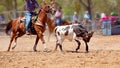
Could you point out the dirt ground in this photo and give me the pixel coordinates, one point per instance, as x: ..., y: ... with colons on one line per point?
x: 104, y: 52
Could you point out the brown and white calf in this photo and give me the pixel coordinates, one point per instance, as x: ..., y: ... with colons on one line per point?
x: 72, y: 32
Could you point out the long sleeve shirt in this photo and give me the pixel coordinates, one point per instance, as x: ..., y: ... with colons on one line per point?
x: 75, y: 17
x: 31, y: 5
x: 87, y: 16
x: 58, y: 14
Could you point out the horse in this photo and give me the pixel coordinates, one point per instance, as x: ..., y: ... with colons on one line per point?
x: 72, y: 32
x: 18, y: 29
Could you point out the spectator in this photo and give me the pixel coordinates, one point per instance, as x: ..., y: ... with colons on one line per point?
x: 87, y: 21
x: 2, y: 18
x: 104, y: 17
x: 97, y: 16
x: 87, y: 16
x: 106, y: 25
x: 113, y: 18
x: 75, y: 18
x: 58, y: 16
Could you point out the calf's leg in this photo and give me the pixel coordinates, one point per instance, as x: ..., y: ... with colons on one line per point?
x: 60, y: 46
x: 87, y: 48
x: 78, y: 42
x: 56, y: 47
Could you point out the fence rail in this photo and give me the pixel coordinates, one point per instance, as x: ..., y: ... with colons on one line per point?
x: 95, y: 27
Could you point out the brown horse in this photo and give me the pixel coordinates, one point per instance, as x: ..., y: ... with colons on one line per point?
x: 52, y: 25
x: 18, y: 29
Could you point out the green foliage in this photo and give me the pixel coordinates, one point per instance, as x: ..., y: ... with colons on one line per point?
x: 1, y: 8
x: 106, y: 6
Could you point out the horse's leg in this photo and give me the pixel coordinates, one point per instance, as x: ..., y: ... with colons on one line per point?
x: 78, y: 42
x: 86, y: 46
x: 40, y: 36
x: 15, y: 44
x: 11, y: 40
x: 36, y: 42
x: 44, y: 44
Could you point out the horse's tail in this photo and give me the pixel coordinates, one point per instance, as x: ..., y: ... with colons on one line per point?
x: 8, y: 27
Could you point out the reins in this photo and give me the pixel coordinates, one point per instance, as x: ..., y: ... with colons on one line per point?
x: 37, y: 15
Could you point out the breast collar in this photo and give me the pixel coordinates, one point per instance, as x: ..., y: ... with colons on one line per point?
x: 38, y: 22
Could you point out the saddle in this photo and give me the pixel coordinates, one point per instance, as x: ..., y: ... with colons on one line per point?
x: 31, y: 29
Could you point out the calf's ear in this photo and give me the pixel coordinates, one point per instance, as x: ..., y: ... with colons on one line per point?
x: 90, y: 34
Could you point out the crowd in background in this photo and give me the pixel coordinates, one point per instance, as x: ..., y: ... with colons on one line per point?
x: 2, y: 20
x: 98, y: 18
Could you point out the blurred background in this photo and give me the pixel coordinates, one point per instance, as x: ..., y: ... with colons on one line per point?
x: 10, y: 9
x: 13, y: 8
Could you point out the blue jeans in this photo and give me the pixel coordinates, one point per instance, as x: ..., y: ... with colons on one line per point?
x: 28, y: 18
x: 58, y: 21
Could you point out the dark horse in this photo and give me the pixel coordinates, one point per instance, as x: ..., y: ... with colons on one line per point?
x: 19, y: 29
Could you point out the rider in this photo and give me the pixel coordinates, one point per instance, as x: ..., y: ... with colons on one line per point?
x: 31, y: 5
x: 58, y: 16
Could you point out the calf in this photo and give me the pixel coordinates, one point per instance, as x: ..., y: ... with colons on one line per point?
x: 72, y: 32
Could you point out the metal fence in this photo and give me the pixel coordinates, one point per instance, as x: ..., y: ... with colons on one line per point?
x: 96, y: 27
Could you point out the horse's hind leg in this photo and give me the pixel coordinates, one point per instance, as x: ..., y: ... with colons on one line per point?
x: 36, y: 42
x: 11, y: 40
x: 15, y: 44
x: 78, y: 45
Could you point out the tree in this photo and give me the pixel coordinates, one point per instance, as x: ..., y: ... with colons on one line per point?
x: 15, y: 8
x: 87, y: 6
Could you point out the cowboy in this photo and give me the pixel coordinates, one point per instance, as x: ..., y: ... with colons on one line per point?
x: 31, y: 5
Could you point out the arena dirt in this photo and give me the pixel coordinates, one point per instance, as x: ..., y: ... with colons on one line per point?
x: 104, y: 52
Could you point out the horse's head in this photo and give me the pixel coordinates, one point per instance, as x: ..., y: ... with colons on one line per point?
x: 47, y: 7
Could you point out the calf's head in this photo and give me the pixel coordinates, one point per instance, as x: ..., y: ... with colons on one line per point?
x: 88, y: 36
